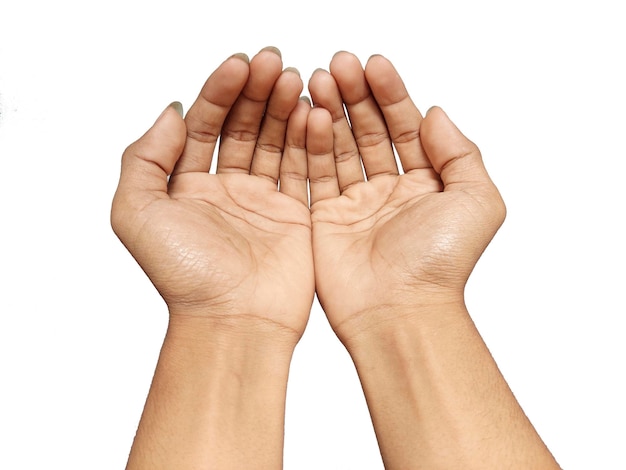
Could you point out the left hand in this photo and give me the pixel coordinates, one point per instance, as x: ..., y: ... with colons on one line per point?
x: 387, y: 242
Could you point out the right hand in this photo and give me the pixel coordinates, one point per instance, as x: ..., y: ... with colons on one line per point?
x: 227, y: 246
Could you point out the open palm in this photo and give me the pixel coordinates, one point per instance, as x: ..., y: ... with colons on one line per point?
x: 386, y: 240
x: 229, y: 243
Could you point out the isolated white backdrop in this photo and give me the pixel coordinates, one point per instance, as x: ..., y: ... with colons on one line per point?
x: 539, y: 85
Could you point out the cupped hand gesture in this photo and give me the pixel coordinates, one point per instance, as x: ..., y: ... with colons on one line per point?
x: 387, y: 243
x: 228, y: 245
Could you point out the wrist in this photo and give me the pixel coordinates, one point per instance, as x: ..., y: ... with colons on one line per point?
x: 368, y: 326
x: 231, y: 367
x: 234, y: 339
x: 249, y: 332
x: 217, y: 389
x: 436, y: 395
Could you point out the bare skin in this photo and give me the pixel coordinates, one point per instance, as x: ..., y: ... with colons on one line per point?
x: 238, y: 254
x: 231, y: 256
x: 400, y: 239
x: 393, y: 249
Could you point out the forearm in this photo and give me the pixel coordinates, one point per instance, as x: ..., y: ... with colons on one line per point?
x: 437, y: 398
x: 217, y: 400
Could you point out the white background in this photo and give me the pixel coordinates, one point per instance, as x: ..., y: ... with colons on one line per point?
x: 539, y: 85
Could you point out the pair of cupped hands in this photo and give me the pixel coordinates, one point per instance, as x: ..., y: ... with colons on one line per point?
x: 305, y: 199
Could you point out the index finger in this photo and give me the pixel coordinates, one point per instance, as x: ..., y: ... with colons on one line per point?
x: 206, y: 116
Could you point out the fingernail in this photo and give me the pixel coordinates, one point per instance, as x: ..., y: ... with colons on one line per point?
x: 178, y: 106
x: 306, y: 99
x: 273, y: 49
x: 431, y: 108
x: 293, y: 70
x: 242, y: 56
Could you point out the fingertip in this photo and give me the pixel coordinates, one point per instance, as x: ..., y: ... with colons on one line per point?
x: 300, y: 114
x: 241, y: 56
x: 432, y: 108
x: 297, y: 124
x: 376, y: 58
x: 455, y: 157
x: 317, y: 75
x: 273, y: 50
x: 344, y: 61
x: 237, y: 66
x: 269, y: 56
x: 341, y: 55
x: 163, y: 143
x: 292, y: 70
x: 178, y: 107
x: 320, y: 119
x: 319, y: 135
x: 171, y: 122
x: 292, y: 78
x: 435, y: 117
x: 437, y: 124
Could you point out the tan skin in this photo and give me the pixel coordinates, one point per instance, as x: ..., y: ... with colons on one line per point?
x: 391, y: 238
x: 238, y: 254
x: 228, y: 243
x: 393, y: 250
x: 230, y: 253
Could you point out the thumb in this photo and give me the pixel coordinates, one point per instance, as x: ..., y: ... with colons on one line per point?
x: 147, y: 162
x: 146, y: 165
x: 459, y: 162
x: 456, y: 158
